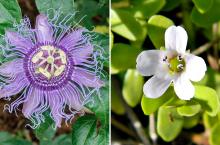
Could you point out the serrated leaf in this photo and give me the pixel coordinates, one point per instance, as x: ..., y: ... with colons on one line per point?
x: 84, y: 130
x: 208, y: 99
x: 156, y: 28
x: 169, y: 123
x: 48, y: 135
x: 190, y: 108
x: 203, y: 5
x: 63, y: 139
x: 65, y: 6
x: 101, y: 3
x: 214, y: 135
x: 11, y: 12
x: 192, y: 121
x: 123, y: 23
x: 121, y: 54
x: 132, y: 89
x: 102, y: 138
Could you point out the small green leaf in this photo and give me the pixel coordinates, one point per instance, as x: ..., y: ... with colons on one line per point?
x: 207, y: 18
x: 192, y: 121
x: 203, y: 5
x: 174, y: 101
x: 66, y: 7
x: 132, y: 89
x: 208, y: 99
x: 169, y: 123
x: 156, y: 28
x: 84, y: 130
x: 116, y: 104
x: 209, y: 121
x: 124, y: 24
x: 214, y: 135
x: 149, y: 106
x: 63, y: 139
x: 17, y: 141
x: 4, y: 136
x: 121, y: 54
x: 48, y: 135
x: 189, y: 109
x: 170, y: 4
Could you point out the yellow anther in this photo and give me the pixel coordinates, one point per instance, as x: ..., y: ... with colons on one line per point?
x: 59, y: 70
x: 45, y: 73
x: 37, y: 71
x: 50, y: 60
x: 63, y: 57
x: 37, y: 57
x: 47, y: 48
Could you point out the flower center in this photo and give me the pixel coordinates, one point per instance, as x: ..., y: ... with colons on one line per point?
x: 50, y: 61
x: 175, y: 64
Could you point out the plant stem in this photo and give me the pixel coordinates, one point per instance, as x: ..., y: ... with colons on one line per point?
x: 152, y: 132
x: 130, y: 113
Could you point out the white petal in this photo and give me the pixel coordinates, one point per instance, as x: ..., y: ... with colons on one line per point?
x: 150, y: 61
x: 176, y: 39
x: 183, y: 87
x: 195, y: 67
x: 157, y: 85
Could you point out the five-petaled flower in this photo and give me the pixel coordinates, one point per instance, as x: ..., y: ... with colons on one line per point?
x: 173, y: 65
x: 56, y: 66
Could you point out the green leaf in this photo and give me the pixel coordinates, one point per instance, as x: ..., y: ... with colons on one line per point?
x: 208, y: 99
x: 123, y: 23
x: 174, y: 101
x: 101, y: 3
x: 189, y: 109
x: 4, y: 136
x: 100, y: 105
x: 116, y: 104
x: 84, y: 130
x: 63, y: 139
x: 169, y: 123
x: 112, y: 39
x: 39, y: 132
x: 156, y: 27
x: 132, y: 89
x: 192, y: 121
x: 209, y: 121
x: 101, y: 40
x: 10, y: 13
x: 65, y: 6
x: 146, y: 8
x: 170, y: 4
x: 89, y: 8
x: 203, y: 5
x: 48, y: 134
x: 149, y: 106
x: 17, y: 141
x: 209, y: 17
x: 102, y: 138
x: 121, y: 54
x: 214, y: 135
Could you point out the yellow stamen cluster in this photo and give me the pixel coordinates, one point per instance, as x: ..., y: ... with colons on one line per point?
x: 50, y: 61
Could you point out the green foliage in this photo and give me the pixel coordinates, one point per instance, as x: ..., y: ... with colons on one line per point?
x: 112, y: 40
x: 4, y: 136
x: 133, y: 87
x: 174, y: 101
x: 203, y: 5
x: 209, y: 121
x: 127, y: 27
x: 156, y: 27
x: 48, y: 135
x: 189, y: 109
x: 121, y: 54
x: 66, y: 7
x: 191, y: 121
x: 170, y: 4
x: 17, y: 141
x: 101, y: 3
x: 214, y: 135
x: 169, y: 123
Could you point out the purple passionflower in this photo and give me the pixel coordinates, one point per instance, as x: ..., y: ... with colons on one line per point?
x: 56, y: 66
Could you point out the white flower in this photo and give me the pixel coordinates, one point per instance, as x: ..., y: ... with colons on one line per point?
x: 173, y: 65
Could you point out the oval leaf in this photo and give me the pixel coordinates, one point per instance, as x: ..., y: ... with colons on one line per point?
x: 209, y: 121
x: 169, y: 123
x: 170, y: 4
x: 174, y: 101
x: 156, y: 28
x: 132, y: 89
x: 190, y: 108
x: 124, y: 24
x: 203, y: 5
x: 214, y: 135
x: 192, y: 121
x: 208, y: 99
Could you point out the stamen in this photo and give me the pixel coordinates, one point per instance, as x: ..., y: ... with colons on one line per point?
x: 179, y: 58
x: 63, y: 57
x: 168, y: 64
x: 46, y: 67
x: 37, y: 57
x: 180, y: 66
x: 59, y: 70
x: 165, y: 59
x: 47, y: 48
x: 45, y: 73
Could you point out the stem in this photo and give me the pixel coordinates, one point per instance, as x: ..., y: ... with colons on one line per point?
x: 130, y: 113
x: 153, y: 133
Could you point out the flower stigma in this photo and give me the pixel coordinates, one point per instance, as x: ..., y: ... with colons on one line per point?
x: 50, y: 61
x: 175, y: 64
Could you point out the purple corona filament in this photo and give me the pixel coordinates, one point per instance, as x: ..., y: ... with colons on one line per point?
x: 56, y: 66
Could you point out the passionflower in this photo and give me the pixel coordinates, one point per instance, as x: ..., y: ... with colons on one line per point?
x: 171, y: 65
x: 56, y: 65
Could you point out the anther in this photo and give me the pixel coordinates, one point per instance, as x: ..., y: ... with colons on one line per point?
x: 47, y: 48
x: 168, y: 64
x: 45, y: 73
x: 165, y: 59
x: 179, y: 58
x: 37, y: 57
x: 63, y: 57
x: 59, y: 70
x: 180, y: 66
